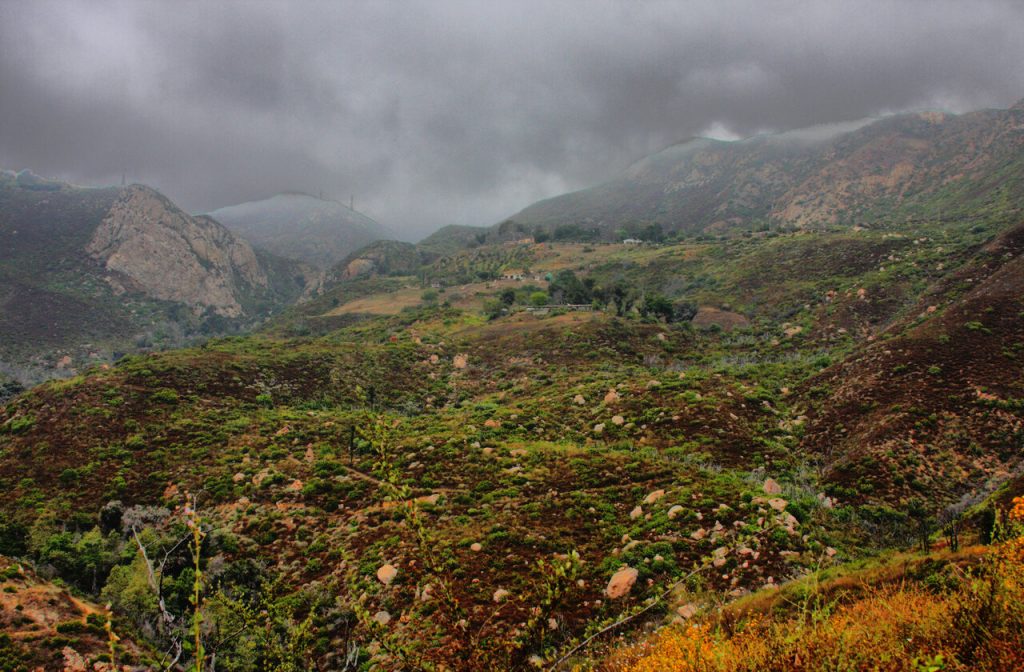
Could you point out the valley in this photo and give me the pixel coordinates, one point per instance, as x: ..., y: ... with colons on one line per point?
x: 529, y: 446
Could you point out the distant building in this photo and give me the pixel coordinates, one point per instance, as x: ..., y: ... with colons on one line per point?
x: 516, y: 275
x: 632, y: 241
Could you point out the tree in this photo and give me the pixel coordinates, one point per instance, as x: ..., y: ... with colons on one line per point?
x: 658, y: 307
x: 507, y: 296
x: 653, y: 233
x: 684, y: 311
x: 571, y: 289
x: 539, y: 299
x: 623, y: 297
x: 919, y: 513
x: 494, y: 309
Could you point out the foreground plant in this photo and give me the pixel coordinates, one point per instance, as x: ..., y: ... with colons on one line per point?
x: 978, y: 625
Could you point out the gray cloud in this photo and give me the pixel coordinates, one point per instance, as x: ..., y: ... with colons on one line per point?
x: 460, y: 112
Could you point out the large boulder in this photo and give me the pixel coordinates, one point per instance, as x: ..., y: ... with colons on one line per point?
x: 621, y: 583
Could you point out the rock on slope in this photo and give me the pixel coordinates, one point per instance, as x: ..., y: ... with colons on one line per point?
x: 298, y: 226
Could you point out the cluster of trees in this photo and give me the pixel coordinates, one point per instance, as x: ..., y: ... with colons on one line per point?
x: 651, y: 233
x: 156, y: 570
x: 510, y: 229
x: 566, y: 288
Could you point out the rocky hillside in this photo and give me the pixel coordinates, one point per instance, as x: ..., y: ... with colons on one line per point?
x: 926, y: 165
x: 933, y: 408
x: 384, y: 257
x: 45, y: 627
x: 88, y: 273
x: 452, y: 238
x: 299, y: 226
x: 442, y: 481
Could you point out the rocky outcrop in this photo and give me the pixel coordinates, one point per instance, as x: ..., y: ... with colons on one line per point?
x: 149, y: 245
x: 383, y: 257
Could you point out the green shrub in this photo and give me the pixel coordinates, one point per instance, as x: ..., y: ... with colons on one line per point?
x: 18, y: 425
x: 165, y: 396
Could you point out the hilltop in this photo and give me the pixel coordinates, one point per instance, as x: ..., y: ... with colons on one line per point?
x: 877, y: 172
x: 313, y: 230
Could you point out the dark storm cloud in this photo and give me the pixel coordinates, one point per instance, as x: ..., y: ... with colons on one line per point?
x: 459, y: 112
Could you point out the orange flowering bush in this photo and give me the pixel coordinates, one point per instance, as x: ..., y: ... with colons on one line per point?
x: 978, y: 625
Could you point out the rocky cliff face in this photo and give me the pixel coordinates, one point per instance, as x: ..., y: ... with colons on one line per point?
x: 146, y: 244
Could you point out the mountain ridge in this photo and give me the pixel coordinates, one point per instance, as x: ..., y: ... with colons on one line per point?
x: 300, y: 226
x: 708, y: 186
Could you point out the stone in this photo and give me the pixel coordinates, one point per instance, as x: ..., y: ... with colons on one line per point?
x: 491, y: 423
x: 73, y: 660
x: 654, y: 496
x: 500, y: 595
x: 382, y: 617
x: 674, y: 511
x: 621, y: 583
x: 579, y: 400
x: 772, y: 487
x: 777, y: 503
x: 636, y: 513
x: 387, y: 573
x: 476, y: 547
x: 618, y: 420
x: 612, y: 396
x: 687, y: 611
x: 699, y: 534
x: 460, y: 361
x: 599, y: 428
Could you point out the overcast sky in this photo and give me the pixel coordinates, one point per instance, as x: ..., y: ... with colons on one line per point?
x: 442, y: 112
